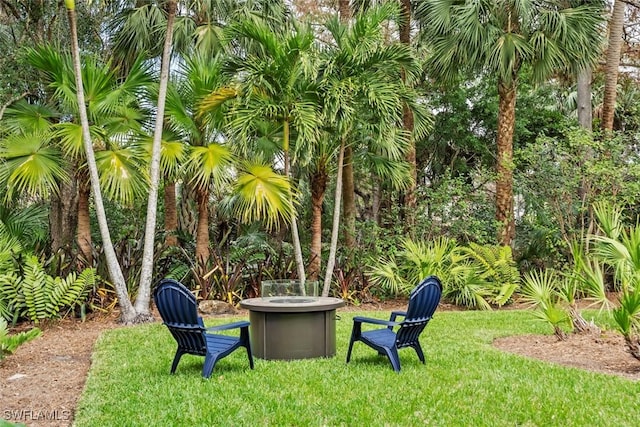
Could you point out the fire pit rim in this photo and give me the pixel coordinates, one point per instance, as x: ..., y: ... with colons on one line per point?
x: 266, y: 305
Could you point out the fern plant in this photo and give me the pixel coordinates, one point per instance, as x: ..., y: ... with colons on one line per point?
x: 496, y: 269
x: 9, y: 343
x: 38, y: 296
x: 8, y: 246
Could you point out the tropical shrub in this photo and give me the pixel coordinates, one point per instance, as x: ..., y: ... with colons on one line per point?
x: 559, y: 179
x: 9, y: 343
x: 476, y: 276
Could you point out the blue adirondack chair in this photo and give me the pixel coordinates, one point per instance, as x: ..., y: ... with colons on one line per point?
x: 423, y: 302
x: 178, y: 309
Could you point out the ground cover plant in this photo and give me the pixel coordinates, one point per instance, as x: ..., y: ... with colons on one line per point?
x: 465, y: 382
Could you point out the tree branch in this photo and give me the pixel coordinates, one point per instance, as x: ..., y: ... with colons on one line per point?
x: 11, y: 101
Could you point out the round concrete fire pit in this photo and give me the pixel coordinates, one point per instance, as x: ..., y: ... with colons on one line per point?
x: 292, y: 327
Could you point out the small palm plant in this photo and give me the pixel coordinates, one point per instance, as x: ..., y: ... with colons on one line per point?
x: 627, y: 317
x: 541, y: 290
x: 619, y: 249
x: 474, y: 276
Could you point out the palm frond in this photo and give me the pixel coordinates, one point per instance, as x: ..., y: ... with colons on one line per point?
x: 209, y: 163
x: 121, y: 175
x: 34, y: 166
x: 260, y: 194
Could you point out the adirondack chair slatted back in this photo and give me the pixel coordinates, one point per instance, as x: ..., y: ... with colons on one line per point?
x: 423, y: 302
x: 178, y: 309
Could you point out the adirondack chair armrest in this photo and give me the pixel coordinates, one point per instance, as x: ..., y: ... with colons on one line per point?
x: 359, y: 319
x: 235, y: 325
x: 395, y: 314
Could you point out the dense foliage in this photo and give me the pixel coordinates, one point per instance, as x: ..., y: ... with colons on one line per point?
x: 263, y: 105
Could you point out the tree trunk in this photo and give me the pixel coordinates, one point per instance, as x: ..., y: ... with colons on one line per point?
x: 84, y: 223
x: 349, y: 199
x: 585, y: 109
x: 318, y: 188
x: 202, y: 233
x: 585, y: 119
x: 170, y: 214
x: 295, y: 236
x: 331, y: 262
x: 348, y: 186
x: 63, y: 218
x: 127, y: 312
x: 344, y: 10
x: 504, y: 163
x: 408, y: 124
x: 143, y: 299
x: 376, y: 202
x: 188, y: 207
x: 616, y: 25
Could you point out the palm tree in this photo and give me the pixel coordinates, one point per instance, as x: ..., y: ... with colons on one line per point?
x: 207, y: 160
x: 127, y: 310
x: 144, y: 290
x: 257, y: 194
x: 115, y: 117
x: 276, y: 84
x: 365, y: 96
x: 500, y: 38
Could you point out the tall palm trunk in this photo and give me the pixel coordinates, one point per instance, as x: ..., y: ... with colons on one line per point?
x: 295, y: 236
x: 344, y: 9
x: 84, y: 223
x: 63, y: 218
x: 202, y: 233
x: 348, y: 185
x: 331, y: 262
x: 408, y: 124
x: 585, y: 109
x: 127, y: 312
x: 187, y: 209
x: 349, y: 199
x: 585, y: 119
x: 170, y: 214
x: 144, y: 290
x: 616, y: 25
x: 504, y: 162
x: 318, y: 188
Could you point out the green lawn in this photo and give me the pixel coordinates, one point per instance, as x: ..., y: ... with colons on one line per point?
x: 465, y: 382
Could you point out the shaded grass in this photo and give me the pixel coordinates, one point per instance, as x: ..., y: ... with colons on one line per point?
x: 465, y: 382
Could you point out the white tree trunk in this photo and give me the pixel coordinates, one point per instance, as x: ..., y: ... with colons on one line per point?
x: 331, y: 262
x: 127, y: 312
x: 144, y: 291
x: 295, y: 236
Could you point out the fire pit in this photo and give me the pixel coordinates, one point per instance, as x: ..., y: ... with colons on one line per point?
x: 286, y: 326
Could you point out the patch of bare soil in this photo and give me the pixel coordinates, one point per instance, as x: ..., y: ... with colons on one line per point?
x: 605, y: 352
x: 40, y: 384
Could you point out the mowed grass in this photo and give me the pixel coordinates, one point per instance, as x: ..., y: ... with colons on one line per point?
x: 465, y: 382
